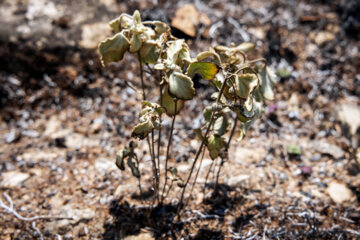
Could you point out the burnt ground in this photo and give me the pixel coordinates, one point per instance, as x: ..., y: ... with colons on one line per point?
x: 63, y: 117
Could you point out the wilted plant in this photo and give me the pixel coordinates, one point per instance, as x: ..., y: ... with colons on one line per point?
x: 241, y: 85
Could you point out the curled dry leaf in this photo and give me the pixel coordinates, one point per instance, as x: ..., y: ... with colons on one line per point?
x: 205, y: 69
x: 169, y: 103
x: 113, y: 49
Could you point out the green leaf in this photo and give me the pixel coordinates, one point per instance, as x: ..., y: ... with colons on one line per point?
x: 141, y: 130
x: 113, y: 49
x: 135, y: 43
x: 215, y: 144
x: 245, y: 84
x: 207, y: 113
x: 198, y: 133
x: 242, y: 117
x: 169, y: 103
x: 125, y: 21
x: 221, y: 125
x: 205, y: 69
x: 181, y: 86
x: 294, y: 149
x: 148, y: 52
x: 175, y: 177
x: 136, y: 17
x: 268, y: 79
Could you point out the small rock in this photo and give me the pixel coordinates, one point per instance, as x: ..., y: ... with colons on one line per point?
x: 349, y: 115
x: 187, y: 18
x: 13, y: 178
x: 339, y: 193
x: 325, y: 148
x: 13, y: 136
x: 52, y: 125
x: 238, y: 181
x: 68, y: 237
x: 31, y: 133
x: 104, y: 165
x: 141, y: 236
x: 93, y: 33
x: 65, y: 225
x: 183, y: 168
x: 83, y: 232
x: 322, y: 37
x: 315, y: 158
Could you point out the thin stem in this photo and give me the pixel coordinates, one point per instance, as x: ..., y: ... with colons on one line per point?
x: 222, y: 159
x: 159, y: 138
x: 199, y: 150
x: 168, y: 150
x: 196, y: 176
x: 167, y: 193
x: 155, y: 183
x: 232, y: 132
x: 141, y: 77
x: 156, y: 189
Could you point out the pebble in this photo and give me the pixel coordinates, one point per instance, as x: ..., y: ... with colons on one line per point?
x: 83, y: 231
x: 13, y: 178
x: 13, y: 136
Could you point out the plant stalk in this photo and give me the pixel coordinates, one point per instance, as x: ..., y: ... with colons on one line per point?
x: 168, y: 151
x: 155, y: 181
x: 196, y: 176
x: 199, y: 150
x: 159, y: 138
x: 156, y: 187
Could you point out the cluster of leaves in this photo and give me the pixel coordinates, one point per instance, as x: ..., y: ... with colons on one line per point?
x: 241, y: 86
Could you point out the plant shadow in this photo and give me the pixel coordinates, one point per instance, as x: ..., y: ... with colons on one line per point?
x: 222, y: 199
x: 131, y: 219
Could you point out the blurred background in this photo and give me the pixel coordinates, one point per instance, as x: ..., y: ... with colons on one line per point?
x: 63, y: 116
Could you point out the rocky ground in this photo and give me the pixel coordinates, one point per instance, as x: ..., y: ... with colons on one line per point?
x: 63, y: 117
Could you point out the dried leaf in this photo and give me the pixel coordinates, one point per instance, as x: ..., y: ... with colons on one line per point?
x: 215, y: 144
x: 198, y: 133
x: 205, y: 69
x: 207, y: 113
x: 181, y: 86
x: 113, y: 49
x: 169, y: 103
x: 221, y: 125
x: 268, y: 78
x: 245, y: 84
x: 125, y: 21
x: 135, y: 43
x: 141, y: 130
x: 246, y: 47
x: 134, y: 165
